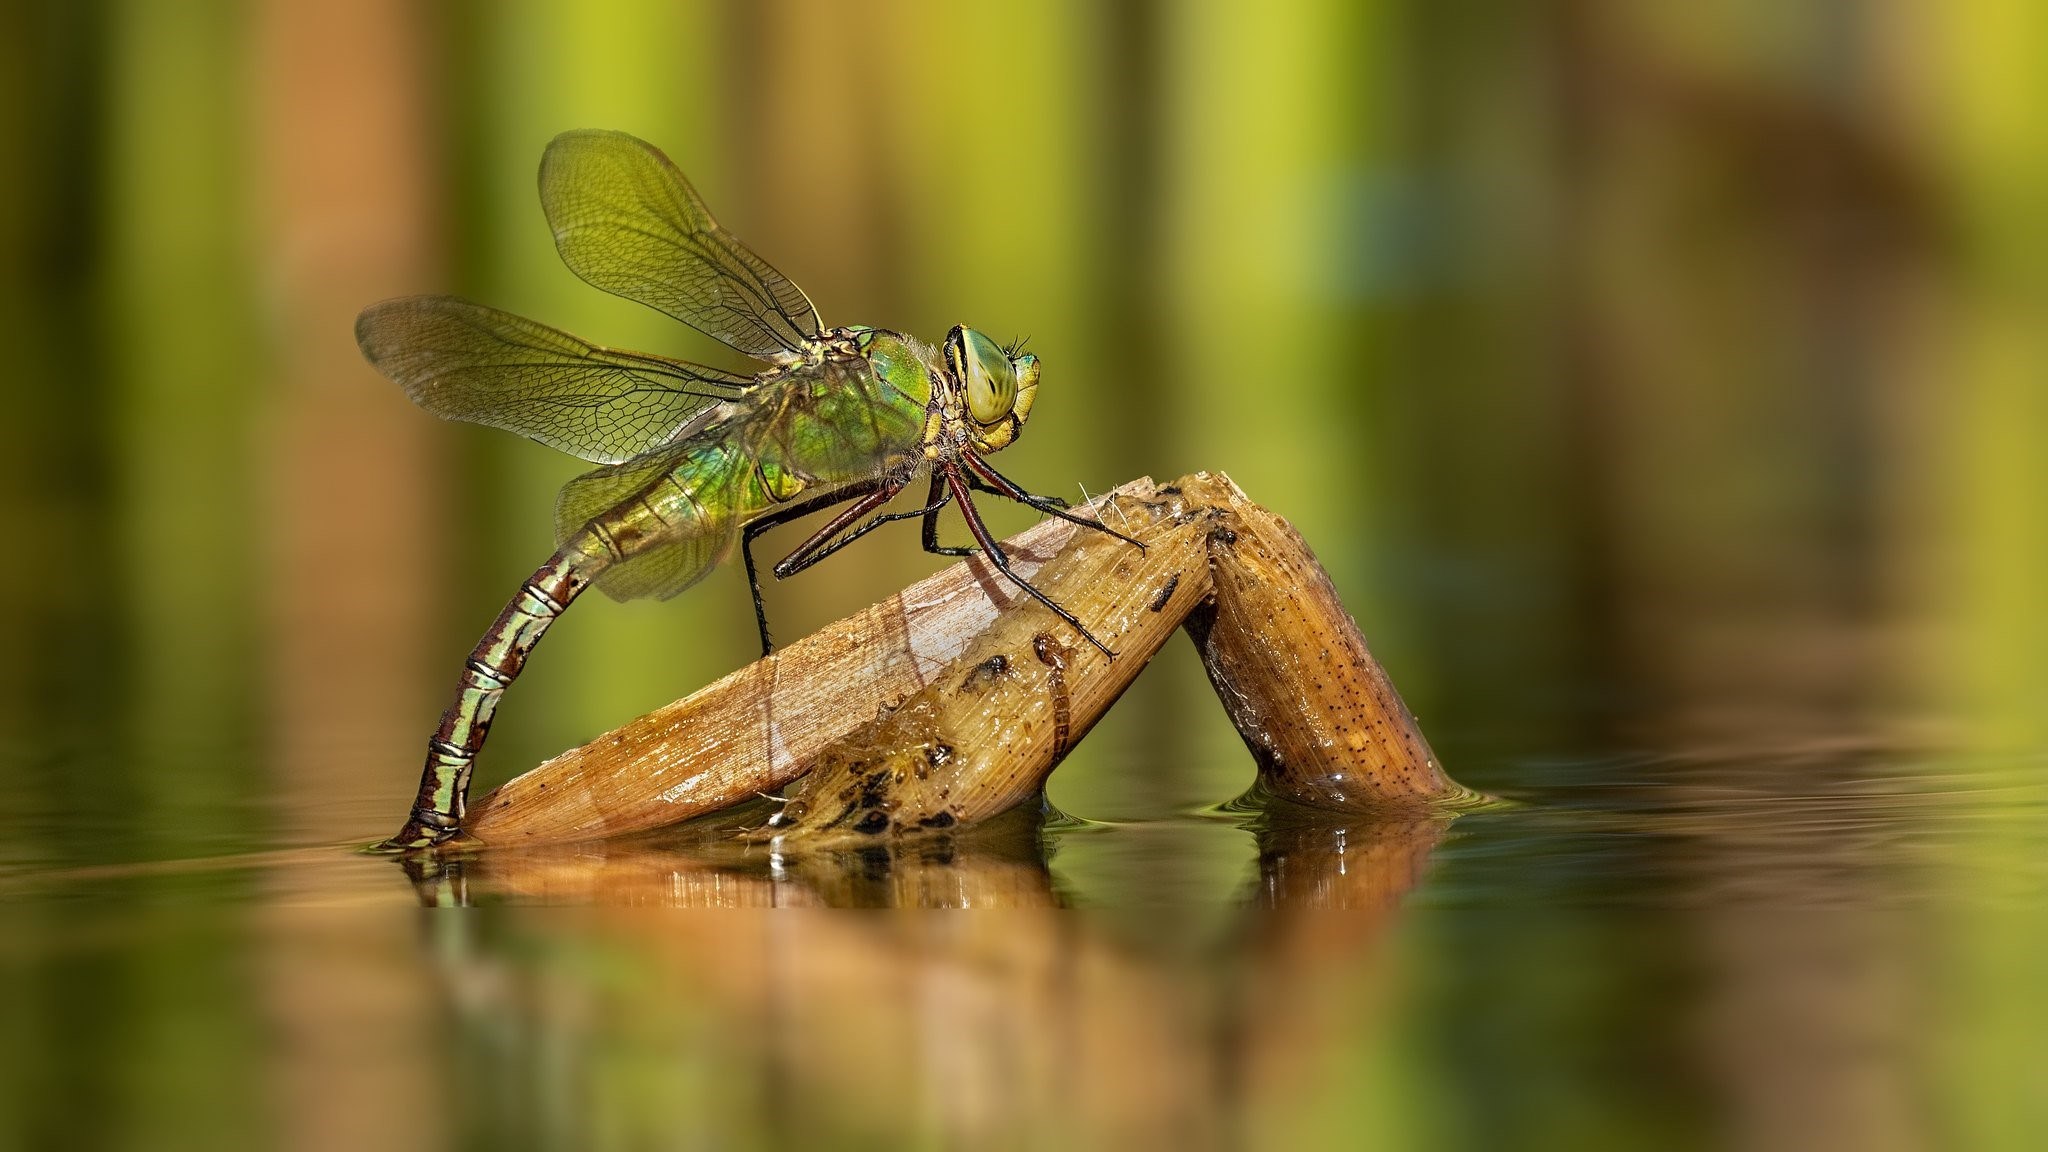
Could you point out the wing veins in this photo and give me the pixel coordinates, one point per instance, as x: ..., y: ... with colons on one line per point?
x: 763, y: 296
x: 465, y: 361
x: 628, y: 222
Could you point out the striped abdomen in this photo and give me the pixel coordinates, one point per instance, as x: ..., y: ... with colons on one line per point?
x: 444, y: 783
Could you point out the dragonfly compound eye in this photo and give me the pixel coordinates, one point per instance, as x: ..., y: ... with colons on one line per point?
x: 991, y: 378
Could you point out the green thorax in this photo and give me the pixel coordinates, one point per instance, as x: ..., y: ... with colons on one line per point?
x: 659, y: 522
x: 860, y: 409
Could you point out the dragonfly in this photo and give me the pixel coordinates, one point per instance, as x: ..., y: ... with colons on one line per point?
x: 694, y: 462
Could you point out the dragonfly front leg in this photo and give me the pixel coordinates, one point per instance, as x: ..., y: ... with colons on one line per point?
x: 984, y: 477
x: 1001, y: 559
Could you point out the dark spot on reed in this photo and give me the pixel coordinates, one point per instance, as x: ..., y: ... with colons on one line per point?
x: 1165, y: 592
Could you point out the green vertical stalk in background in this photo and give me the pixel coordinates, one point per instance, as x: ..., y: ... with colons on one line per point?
x: 1990, y: 1055
x: 185, y: 374
x: 1272, y: 120
x: 1999, y: 471
x: 991, y: 193
x: 61, y: 665
x: 184, y: 377
x: 1464, y: 249
x: 535, y: 69
x: 824, y: 180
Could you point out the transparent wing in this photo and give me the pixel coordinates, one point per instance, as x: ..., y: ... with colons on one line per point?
x: 697, y: 533
x: 464, y: 361
x: 626, y: 221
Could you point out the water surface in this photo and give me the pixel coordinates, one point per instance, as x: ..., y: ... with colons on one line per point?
x: 1828, y: 947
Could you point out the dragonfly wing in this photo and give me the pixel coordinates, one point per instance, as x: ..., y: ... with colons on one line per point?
x: 626, y: 221
x: 464, y: 361
x: 696, y: 533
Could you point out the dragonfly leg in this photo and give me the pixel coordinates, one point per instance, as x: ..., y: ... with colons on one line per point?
x: 1001, y: 560
x: 784, y: 515
x: 938, y: 499
x: 791, y: 565
x: 822, y: 543
x: 983, y: 476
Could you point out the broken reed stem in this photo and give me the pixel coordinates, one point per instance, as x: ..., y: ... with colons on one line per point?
x: 954, y: 699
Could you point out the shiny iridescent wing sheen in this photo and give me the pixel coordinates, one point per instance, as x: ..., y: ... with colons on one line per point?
x: 626, y: 221
x: 464, y: 361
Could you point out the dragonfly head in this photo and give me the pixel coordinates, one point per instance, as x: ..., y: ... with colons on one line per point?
x: 998, y: 385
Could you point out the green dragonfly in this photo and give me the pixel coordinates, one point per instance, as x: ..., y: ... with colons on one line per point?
x: 694, y: 460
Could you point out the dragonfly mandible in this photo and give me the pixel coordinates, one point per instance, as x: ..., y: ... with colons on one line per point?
x: 694, y: 461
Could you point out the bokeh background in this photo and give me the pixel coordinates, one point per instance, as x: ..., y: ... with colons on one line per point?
x: 1663, y: 385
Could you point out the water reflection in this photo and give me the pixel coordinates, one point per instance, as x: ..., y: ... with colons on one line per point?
x: 706, y: 864
x: 905, y: 1029
x: 1306, y: 859
x: 1682, y: 948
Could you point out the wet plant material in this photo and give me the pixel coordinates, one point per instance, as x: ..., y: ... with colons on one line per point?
x: 951, y: 702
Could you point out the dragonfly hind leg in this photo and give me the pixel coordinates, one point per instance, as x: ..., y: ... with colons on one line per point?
x: 811, y: 551
x: 858, y: 491
x: 867, y: 496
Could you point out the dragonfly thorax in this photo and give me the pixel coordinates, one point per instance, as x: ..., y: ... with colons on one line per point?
x: 994, y: 385
x: 842, y: 342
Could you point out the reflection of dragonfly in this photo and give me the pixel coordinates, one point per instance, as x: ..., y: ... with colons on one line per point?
x: 695, y: 460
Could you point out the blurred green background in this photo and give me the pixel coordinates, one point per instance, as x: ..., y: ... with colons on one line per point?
x: 1661, y: 384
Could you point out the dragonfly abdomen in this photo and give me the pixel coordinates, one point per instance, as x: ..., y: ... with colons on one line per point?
x: 666, y: 510
x: 492, y: 666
